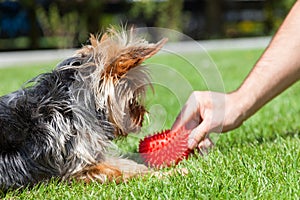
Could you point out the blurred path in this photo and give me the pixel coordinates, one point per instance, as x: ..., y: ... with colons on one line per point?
x: 17, y: 58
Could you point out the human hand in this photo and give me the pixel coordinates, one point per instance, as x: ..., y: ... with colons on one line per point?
x: 207, y: 112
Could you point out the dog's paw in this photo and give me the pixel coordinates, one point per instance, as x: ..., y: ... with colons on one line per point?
x: 112, y: 169
x: 101, y: 173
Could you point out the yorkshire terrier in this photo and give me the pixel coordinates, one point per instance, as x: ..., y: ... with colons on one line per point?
x: 62, y: 124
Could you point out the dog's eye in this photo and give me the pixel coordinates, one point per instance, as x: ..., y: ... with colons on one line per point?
x: 74, y: 61
x: 77, y: 63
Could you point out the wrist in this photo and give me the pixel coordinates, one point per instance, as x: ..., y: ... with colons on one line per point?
x: 240, y: 106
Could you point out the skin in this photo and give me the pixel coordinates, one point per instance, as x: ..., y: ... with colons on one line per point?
x: 277, y: 69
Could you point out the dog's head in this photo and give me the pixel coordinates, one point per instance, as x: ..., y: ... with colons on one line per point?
x: 118, y: 81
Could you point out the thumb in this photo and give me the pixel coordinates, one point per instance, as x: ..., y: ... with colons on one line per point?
x: 197, y: 135
x: 178, y: 123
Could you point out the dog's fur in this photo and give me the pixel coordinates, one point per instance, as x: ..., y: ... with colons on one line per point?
x: 62, y: 125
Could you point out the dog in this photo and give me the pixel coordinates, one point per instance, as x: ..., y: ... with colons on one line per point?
x: 62, y: 124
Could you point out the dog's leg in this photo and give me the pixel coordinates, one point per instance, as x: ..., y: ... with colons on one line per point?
x: 101, y: 173
x: 112, y: 169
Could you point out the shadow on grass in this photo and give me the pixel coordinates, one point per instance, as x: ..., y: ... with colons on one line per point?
x: 237, y: 140
x: 273, y: 137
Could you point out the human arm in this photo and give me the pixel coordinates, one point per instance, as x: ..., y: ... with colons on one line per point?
x: 276, y: 70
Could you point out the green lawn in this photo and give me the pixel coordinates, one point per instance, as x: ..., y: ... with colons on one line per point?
x: 259, y: 160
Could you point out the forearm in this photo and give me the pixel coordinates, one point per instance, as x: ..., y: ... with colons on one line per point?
x: 276, y: 70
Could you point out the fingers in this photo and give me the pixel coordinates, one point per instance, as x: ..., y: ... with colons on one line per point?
x: 205, y: 145
x: 189, y: 117
x: 178, y: 122
x: 197, y: 135
x: 184, y: 117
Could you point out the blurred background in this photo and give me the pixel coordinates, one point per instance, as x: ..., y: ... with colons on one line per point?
x: 55, y: 24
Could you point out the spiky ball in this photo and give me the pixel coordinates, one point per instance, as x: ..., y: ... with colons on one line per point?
x: 166, y: 148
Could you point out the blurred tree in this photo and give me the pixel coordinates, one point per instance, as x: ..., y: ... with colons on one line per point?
x: 62, y: 28
x: 73, y: 20
x: 286, y: 4
x: 214, y: 22
x: 92, y: 11
x: 91, y: 14
x: 34, y: 33
x: 275, y: 12
x: 166, y: 14
x: 169, y: 15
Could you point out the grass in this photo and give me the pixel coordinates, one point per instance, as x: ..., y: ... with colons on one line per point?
x: 259, y: 160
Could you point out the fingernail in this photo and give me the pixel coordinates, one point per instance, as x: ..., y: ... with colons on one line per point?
x: 191, y: 143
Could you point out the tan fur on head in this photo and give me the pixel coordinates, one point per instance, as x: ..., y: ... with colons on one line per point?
x: 118, y: 83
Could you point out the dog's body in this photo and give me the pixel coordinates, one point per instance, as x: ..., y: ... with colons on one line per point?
x: 62, y: 126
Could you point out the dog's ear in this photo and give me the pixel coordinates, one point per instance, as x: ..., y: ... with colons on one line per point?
x: 131, y: 57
